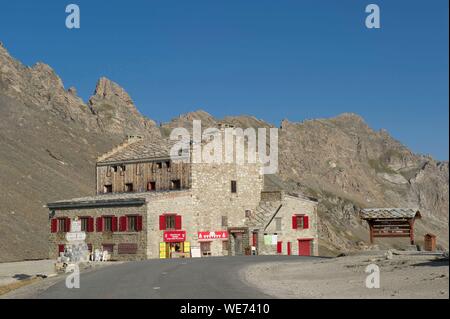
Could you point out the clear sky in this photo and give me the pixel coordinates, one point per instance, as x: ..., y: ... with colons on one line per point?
x: 271, y: 59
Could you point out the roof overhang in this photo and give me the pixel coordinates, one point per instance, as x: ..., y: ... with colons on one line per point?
x: 97, y: 203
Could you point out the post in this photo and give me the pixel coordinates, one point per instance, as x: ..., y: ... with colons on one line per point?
x: 411, y: 231
x: 371, y: 232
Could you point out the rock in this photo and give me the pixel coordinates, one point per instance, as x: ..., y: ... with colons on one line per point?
x: 389, y: 255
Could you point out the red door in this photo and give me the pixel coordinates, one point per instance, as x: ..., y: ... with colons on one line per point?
x: 304, y: 247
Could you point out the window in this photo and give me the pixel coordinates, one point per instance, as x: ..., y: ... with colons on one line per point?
x: 225, y: 245
x: 114, y: 168
x: 278, y: 223
x: 107, y: 223
x: 159, y: 165
x: 233, y: 186
x: 132, y: 223
x: 170, y: 221
x: 128, y: 187
x: 300, y: 222
x: 151, y: 186
x: 205, y: 248
x: 176, y: 184
x: 122, y: 169
x: 107, y: 189
x: 108, y: 171
x: 63, y: 225
x: 248, y: 213
x: 84, y: 223
x: 224, y: 221
x: 109, y: 248
x: 168, y: 166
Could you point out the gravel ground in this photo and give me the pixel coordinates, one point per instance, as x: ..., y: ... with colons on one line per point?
x: 403, y: 276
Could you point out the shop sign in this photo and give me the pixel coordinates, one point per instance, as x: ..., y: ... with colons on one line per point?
x: 174, y: 236
x: 75, y: 236
x: 208, y: 235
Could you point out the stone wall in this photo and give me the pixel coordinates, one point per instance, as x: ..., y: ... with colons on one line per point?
x: 213, y: 200
x: 97, y: 239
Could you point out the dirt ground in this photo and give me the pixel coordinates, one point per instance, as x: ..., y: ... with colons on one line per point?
x: 403, y: 276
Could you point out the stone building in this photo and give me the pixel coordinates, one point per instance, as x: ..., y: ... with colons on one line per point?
x: 149, y: 205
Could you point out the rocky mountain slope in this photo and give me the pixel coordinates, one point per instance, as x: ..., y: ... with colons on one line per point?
x: 49, y: 141
x: 50, y: 138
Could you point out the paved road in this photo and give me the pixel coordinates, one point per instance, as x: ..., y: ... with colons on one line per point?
x: 215, y: 277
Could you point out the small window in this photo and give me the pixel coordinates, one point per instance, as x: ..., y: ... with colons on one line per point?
x: 224, y: 221
x: 278, y: 223
x: 107, y: 223
x: 108, y: 171
x: 132, y: 223
x: 248, y: 213
x: 128, y: 187
x: 225, y: 245
x: 123, y: 168
x: 300, y: 221
x: 205, y: 248
x: 107, y: 189
x: 109, y: 248
x: 176, y: 184
x: 114, y: 168
x: 168, y: 166
x: 159, y: 165
x: 170, y: 221
x: 84, y: 223
x: 62, y: 225
x: 233, y: 186
x: 151, y: 186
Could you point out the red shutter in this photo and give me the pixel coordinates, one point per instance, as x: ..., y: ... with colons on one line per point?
x: 162, y: 222
x: 305, y: 222
x: 99, y: 223
x: 114, y: 223
x: 279, y: 247
x: 67, y: 221
x: 139, y: 223
x: 294, y: 222
x: 123, y: 223
x: 90, y: 225
x: 54, y: 225
x: 289, y: 248
x: 178, y: 222
x: 60, y: 248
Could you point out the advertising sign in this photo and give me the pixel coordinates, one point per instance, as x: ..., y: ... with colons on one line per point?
x: 173, y: 236
x: 162, y: 250
x: 208, y: 235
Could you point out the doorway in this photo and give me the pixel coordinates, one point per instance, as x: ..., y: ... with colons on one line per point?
x: 304, y: 247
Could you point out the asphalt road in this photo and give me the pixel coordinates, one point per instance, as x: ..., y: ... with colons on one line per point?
x: 209, y: 278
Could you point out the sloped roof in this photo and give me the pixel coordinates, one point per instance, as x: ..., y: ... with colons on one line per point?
x: 138, y: 149
x: 384, y: 213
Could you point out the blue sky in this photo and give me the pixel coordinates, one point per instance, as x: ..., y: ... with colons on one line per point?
x: 271, y: 59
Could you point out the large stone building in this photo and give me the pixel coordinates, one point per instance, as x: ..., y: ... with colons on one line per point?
x: 149, y: 205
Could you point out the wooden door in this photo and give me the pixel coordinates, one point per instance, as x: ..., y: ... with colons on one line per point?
x: 304, y: 247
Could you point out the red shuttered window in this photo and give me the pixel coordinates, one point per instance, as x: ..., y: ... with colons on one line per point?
x: 305, y: 222
x: 294, y: 222
x: 99, y: 224
x: 300, y: 222
x: 139, y: 223
x: 123, y: 223
x: 54, y: 225
x: 90, y: 225
x: 162, y: 222
x: 113, y: 224
x: 67, y: 227
x: 60, y: 248
x: 178, y: 222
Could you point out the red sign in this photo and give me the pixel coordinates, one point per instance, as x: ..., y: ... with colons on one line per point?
x: 207, y: 235
x: 172, y: 236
